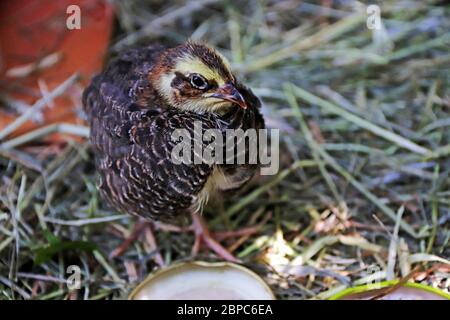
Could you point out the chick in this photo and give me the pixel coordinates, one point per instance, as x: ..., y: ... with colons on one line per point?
x: 133, y: 108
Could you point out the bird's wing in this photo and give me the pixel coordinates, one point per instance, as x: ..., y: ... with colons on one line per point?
x: 131, y: 135
x: 126, y: 74
x: 134, y: 155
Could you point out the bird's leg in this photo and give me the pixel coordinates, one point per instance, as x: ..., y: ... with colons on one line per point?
x: 141, y: 226
x: 202, y: 235
x: 153, y: 245
x: 243, y: 232
x: 138, y: 228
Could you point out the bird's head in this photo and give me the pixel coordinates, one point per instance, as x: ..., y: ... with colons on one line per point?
x: 197, y: 78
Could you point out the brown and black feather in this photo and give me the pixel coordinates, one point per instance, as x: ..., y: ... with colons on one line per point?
x: 131, y: 127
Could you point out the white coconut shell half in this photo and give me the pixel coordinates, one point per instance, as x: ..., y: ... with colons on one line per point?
x: 203, y: 281
x: 387, y: 291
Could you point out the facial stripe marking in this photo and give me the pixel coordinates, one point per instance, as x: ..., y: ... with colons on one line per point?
x: 194, y: 65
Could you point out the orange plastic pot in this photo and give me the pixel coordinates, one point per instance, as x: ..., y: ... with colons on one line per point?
x: 38, y: 52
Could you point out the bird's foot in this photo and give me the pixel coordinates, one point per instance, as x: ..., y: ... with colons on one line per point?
x: 140, y: 227
x: 202, y: 235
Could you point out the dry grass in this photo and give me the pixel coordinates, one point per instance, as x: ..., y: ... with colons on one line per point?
x: 364, y: 190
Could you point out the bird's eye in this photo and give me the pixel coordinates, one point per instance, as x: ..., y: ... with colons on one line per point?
x: 197, y: 81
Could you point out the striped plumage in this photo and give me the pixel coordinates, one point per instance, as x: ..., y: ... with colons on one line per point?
x: 131, y: 124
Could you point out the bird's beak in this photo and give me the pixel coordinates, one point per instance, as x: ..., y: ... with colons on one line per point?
x: 230, y: 93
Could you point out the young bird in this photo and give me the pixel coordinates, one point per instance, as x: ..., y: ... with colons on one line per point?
x: 134, y: 106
